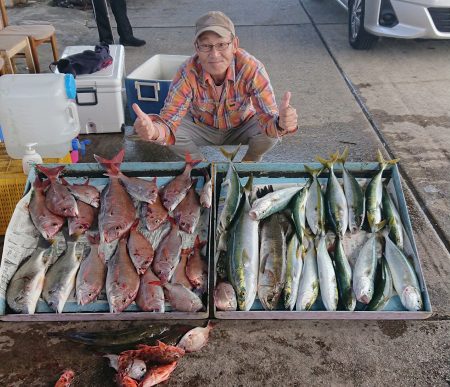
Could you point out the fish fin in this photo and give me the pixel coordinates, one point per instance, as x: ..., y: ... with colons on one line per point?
x: 344, y: 155
x: 230, y: 155
x: 158, y: 283
x: 263, y: 191
x: 64, y: 181
x: 190, y: 161
x: 313, y: 172
x: 248, y: 186
x: 51, y: 173
x: 155, y: 179
x: 93, y: 237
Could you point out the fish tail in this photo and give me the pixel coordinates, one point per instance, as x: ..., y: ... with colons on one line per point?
x: 384, y: 162
x: 112, y: 166
x: 248, y: 186
x: 344, y: 155
x: 190, y: 161
x: 51, y: 173
x: 230, y: 155
x: 326, y: 163
x: 313, y: 172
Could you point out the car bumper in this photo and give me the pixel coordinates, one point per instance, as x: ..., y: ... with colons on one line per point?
x: 414, y: 19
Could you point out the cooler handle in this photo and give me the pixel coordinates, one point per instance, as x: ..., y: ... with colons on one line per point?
x: 73, y: 117
x: 85, y: 90
x: 155, y: 85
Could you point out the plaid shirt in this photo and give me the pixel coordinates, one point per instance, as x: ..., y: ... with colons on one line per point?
x: 247, y: 91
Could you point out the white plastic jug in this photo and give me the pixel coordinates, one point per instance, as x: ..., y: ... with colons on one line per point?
x: 38, y: 108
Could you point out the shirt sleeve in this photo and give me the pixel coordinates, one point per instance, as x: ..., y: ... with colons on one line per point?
x: 176, y: 104
x: 263, y: 100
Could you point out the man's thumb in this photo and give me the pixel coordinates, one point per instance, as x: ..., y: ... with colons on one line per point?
x: 138, y: 111
x: 285, y: 100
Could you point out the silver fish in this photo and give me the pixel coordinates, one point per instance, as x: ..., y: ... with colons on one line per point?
x: 294, y: 264
x: 315, y: 204
x: 327, y: 276
x: 384, y: 287
x: 92, y: 274
x: 392, y: 217
x: 272, y: 266
x: 272, y: 202
x: 26, y: 285
x: 374, y: 192
x: 135, y: 368
x: 309, y: 279
x: 60, y: 279
x: 206, y: 194
x: 299, y: 210
x: 181, y: 298
x: 344, y: 276
x: 335, y: 201
x: 404, y: 276
x: 365, y: 270
x: 122, y: 280
x: 244, y: 254
x: 356, y: 203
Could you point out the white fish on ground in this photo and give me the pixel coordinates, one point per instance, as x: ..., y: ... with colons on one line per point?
x: 135, y: 368
x: 404, y: 276
x: 196, y: 338
x: 327, y: 276
x: 60, y: 279
x: 26, y: 285
x: 309, y: 279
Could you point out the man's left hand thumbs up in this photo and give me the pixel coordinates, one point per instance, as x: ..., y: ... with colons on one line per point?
x: 287, y: 115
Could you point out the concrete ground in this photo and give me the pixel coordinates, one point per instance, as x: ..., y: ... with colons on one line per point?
x: 394, y: 97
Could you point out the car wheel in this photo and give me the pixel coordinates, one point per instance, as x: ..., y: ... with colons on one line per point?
x: 358, y: 37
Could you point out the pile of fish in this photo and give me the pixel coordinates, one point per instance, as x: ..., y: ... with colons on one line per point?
x: 145, y: 365
x: 143, y: 242
x: 290, y: 247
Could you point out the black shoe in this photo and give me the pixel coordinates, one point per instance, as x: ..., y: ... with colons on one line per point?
x: 132, y: 41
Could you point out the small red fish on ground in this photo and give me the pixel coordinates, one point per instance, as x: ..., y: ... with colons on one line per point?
x: 158, y: 374
x: 196, y: 338
x: 66, y: 379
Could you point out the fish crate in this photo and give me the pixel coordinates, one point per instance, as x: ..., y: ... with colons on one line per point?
x: 287, y: 174
x: 12, y: 184
x: 26, y: 233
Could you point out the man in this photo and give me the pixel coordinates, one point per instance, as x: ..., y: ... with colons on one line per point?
x: 124, y: 29
x: 220, y: 96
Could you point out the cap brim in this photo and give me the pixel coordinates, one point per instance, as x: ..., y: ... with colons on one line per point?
x: 221, y: 31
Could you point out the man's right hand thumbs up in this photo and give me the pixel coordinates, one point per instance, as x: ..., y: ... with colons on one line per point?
x: 144, y: 126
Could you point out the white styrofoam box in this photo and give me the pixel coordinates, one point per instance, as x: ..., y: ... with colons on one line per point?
x: 149, y: 84
x: 100, y: 95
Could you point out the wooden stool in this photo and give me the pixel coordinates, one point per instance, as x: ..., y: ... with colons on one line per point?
x: 11, y: 45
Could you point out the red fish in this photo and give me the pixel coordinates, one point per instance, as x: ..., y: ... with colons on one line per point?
x: 157, y: 374
x: 58, y: 198
x: 154, y: 214
x: 78, y: 225
x: 168, y: 254
x: 187, y: 213
x: 117, y: 212
x: 66, y: 379
x: 45, y: 221
x: 150, y: 297
x: 197, y: 268
x: 122, y: 280
x: 140, y: 249
x: 225, y: 297
x: 86, y: 193
x: 175, y: 191
x: 179, y: 276
x: 182, y: 299
x: 159, y: 354
x: 92, y: 273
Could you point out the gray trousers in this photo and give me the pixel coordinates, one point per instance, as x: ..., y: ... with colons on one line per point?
x: 189, y: 137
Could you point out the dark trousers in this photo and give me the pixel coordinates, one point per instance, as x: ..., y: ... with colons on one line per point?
x: 119, y: 9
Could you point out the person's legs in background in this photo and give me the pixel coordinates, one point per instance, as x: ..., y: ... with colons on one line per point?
x: 250, y: 133
x: 124, y: 29
x: 105, y: 34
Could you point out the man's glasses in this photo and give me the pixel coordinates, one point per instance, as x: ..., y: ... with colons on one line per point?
x: 217, y: 46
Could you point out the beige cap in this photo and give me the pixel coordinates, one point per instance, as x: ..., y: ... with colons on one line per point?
x: 214, y: 21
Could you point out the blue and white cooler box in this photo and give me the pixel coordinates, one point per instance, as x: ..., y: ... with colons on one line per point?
x: 100, y: 95
x: 149, y: 84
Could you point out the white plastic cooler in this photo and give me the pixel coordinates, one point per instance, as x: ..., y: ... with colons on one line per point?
x: 100, y: 95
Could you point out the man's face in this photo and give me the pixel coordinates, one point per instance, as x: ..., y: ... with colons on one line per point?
x: 216, y: 62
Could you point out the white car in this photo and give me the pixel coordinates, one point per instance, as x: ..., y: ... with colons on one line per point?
x: 409, y: 19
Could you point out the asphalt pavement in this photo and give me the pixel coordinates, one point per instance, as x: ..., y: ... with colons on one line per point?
x: 394, y: 97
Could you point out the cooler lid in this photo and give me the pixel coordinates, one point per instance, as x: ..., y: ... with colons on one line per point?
x: 109, y: 76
